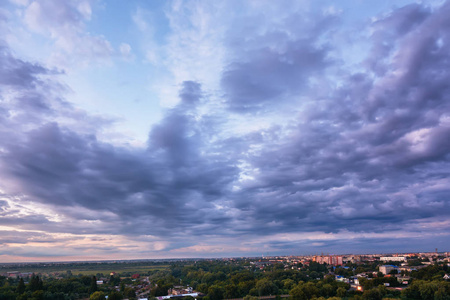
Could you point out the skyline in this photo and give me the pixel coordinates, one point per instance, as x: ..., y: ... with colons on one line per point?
x: 178, y: 129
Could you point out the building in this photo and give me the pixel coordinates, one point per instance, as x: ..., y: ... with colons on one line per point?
x: 393, y: 258
x: 386, y: 269
x: 334, y: 260
x: 193, y: 295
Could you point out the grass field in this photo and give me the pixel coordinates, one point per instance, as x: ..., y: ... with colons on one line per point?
x: 107, y: 271
x: 86, y: 269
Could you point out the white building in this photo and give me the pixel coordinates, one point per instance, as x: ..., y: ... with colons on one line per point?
x: 393, y: 258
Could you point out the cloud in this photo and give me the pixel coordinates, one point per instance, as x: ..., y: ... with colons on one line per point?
x: 17, y: 73
x: 284, y: 147
x: 64, y: 23
x: 273, y: 65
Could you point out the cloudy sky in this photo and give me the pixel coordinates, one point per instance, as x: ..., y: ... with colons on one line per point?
x: 160, y: 129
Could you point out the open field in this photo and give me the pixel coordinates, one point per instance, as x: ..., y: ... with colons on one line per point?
x: 107, y: 271
x: 85, y: 268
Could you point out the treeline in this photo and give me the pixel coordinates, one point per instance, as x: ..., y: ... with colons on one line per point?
x: 52, y: 289
x: 238, y: 279
x: 227, y: 280
x: 219, y: 279
x: 36, y: 289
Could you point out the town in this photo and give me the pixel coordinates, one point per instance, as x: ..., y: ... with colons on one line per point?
x: 324, y: 276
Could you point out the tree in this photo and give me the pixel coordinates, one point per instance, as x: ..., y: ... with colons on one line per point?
x: 266, y: 287
x: 310, y: 290
x: 427, y: 290
x: 329, y: 279
x: 231, y: 291
x: 203, y: 287
x: 93, y: 287
x: 38, y: 295
x: 114, y: 280
x: 21, y: 287
x: 297, y: 294
x: 393, y: 272
x: 441, y: 294
x: 244, y: 287
x: 23, y: 296
x: 40, y: 284
x: 215, y: 292
x: 97, y: 296
x: 114, y: 295
x: 372, y: 294
x: 288, y: 284
x: 340, y: 292
x: 34, y: 283
x: 327, y: 290
x: 129, y: 293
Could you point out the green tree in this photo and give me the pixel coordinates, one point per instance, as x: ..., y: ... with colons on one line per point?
x: 427, y: 290
x: 288, y: 283
x: 20, y: 287
x: 310, y: 290
x: 129, y: 293
x: 297, y: 294
x: 244, y: 287
x: 23, y: 296
x: 114, y: 295
x: 38, y: 295
x: 441, y: 294
x: 372, y: 294
x: 393, y: 272
x: 340, y: 292
x: 327, y: 290
x: 114, y: 280
x: 266, y: 287
x: 412, y: 292
x: 34, y: 283
x: 98, y: 295
x: 329, y: 279
x: 231, y: 291
x: 93, y: 287
x: 203, y: 287
x: 215, y: 292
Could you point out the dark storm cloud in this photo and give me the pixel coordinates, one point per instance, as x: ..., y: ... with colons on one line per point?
x: 368, y: 155
x: 269, y: 67
x: 151, y: 192
x: 101, y: 177
x: 370, y: 140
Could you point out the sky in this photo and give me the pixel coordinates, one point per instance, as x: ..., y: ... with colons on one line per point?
x: 175, y: 129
